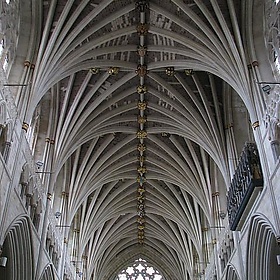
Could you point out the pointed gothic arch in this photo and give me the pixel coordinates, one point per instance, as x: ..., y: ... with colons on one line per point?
x: 231, y: 273
x: 128, y: 257
x: 17, y: 247
x: 47, y: 273
x: 262, y: 250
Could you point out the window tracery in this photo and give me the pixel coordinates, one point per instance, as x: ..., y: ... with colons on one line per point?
x: 140, y: 270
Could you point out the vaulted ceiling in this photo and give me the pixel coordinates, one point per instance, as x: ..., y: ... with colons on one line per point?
x: 135, y: 96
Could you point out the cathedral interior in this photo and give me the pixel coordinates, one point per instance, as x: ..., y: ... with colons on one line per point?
x: 139, y: 139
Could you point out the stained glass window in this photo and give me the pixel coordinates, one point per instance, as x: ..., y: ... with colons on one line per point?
x: 140, y: 270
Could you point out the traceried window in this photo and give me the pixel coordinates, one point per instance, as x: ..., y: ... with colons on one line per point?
x: 140, y: 270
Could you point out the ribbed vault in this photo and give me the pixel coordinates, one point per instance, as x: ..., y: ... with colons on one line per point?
x: 134, y: 96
